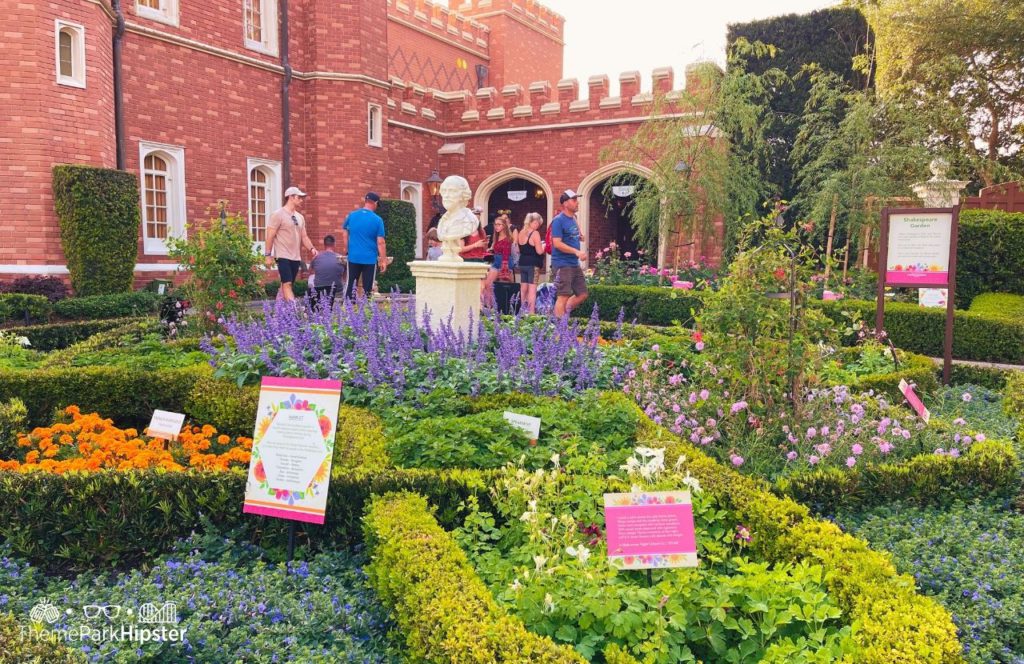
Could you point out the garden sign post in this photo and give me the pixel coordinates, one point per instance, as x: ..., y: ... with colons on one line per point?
x: 918, y: 250
x: 292, y: 450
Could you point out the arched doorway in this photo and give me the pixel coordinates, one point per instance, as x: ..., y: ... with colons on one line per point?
x: 516, y: 190
x: 607, y: 199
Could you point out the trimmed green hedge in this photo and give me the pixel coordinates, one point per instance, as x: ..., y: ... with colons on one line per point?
x: 989, y: 469
x: 999, y: 305
x: 920, y: 330
x: 126, y: 396
x: 57, y: 336
x: 299, y: 287
x: 78, y: 521
x: 99, y: 226
x: 19, y: 307
x: 990, y: 377
x: 649, y: 305
x: 444, y: 610
x: 894, y: 623
x: 990, y: 254
x: 117, y: 305
x: 400, y: 235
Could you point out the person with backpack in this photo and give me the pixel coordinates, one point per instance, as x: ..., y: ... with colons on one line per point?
x: 566, y: 254
x: 531, y: 258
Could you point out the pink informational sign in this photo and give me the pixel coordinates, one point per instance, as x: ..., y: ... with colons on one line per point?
x: 918, y: 248
x: 648, y: 530
x: 292, y: 449
x: 914, y: 400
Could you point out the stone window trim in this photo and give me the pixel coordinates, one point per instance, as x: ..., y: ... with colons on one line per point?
x: 272, y: 188
x: 174, y: 157
x: 374, y: 125
x: 163, y: 11
x: 69, y: 51
x: 259, y: 26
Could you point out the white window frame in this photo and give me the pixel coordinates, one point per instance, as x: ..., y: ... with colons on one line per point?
x: 418, y: 204
x: 374, y: 125
x: 77, y: 32
x: 168, y: 12
x: 268, y: 13
x: 174, y: 155
x: 274, y: 189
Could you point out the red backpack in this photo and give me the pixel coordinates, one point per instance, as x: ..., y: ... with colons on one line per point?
x: 547, y: 242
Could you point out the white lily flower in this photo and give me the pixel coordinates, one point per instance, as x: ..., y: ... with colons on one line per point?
x: 692, y: 482
x: 549, y: 603
x: 515, y: 585
x: 539, y: 562
x: 555, y: 458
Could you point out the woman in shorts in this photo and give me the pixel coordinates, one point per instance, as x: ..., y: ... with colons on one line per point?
x: 531, y: 258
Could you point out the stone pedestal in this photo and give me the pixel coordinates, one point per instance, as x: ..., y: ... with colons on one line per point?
x: 448, y: 289
x: 938, y: 191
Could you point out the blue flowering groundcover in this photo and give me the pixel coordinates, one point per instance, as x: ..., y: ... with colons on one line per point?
x: 970, y: 557
x: 236, y: 607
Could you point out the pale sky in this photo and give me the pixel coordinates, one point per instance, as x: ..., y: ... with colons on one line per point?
x: 613, y: 36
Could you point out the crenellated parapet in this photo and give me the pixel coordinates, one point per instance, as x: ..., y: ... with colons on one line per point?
x: 528, y: 12
x: 438, y: 20
x: 549, y: 103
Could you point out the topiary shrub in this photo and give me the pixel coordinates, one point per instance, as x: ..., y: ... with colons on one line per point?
x: 99, y: 226
x: 999, y: 305
x: 400, y: 234
x: 56, y: 336
x: 648, y: 305
x: 990, y: 254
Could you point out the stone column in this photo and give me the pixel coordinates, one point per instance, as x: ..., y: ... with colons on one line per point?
x: 448, y: 289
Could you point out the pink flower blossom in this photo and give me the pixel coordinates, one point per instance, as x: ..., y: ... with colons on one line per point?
x: 699, y: 345
x: 954, y: 452
x: 737, y: 460
x: 811, y: 432
x: 737, y: 407
x: 978, y: 437
x: 792, y: 455
x: 684, y: 285
x: 857, y: 449
x: 851, y: 462
x: 813, y: 459
x: 704, y: 394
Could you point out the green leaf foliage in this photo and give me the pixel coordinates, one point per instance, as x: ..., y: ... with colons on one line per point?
x: 98, y: 210
x: 647, y: 305
x: 400, y: 235
x: 1000, y: 305
x: 989, y: 254
x: 117, y: 305
x: 55, y: 336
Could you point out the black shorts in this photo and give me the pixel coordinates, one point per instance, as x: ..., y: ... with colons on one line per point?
x: 288, y: 269
x: 570, y: 281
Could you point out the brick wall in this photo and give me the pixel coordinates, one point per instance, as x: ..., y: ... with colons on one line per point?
x: 196, y: 85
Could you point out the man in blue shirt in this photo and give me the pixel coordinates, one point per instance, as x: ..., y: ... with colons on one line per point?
x: 566, y: 254
x: 362, y: 238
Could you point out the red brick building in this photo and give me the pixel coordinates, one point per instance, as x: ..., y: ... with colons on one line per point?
x: 365, y: 94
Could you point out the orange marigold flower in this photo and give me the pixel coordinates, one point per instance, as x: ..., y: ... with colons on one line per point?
x: 223, y: 440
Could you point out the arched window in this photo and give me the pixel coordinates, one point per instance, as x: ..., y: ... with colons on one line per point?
x: 162, y: 189
x: 70, y: 54
x: 154, y: 194
x: 258, y: 195
x: 264, y: 180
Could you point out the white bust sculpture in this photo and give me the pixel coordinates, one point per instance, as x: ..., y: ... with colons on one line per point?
x: 458, y: 221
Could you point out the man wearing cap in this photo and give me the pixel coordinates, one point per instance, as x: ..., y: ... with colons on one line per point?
x: 566, y: 239
x: 362, y: 238
x: 286, y: 235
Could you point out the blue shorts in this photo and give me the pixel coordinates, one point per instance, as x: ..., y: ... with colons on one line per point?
x: 498, y: 262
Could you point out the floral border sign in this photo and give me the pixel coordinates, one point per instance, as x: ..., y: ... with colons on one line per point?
x: 292, y: 449
x: 650, y: 529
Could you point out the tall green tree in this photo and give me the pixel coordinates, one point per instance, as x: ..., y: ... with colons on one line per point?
x: 710, y: 161
x: 855, y: 147
x: 827, y: 40
x: 963, y: 62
